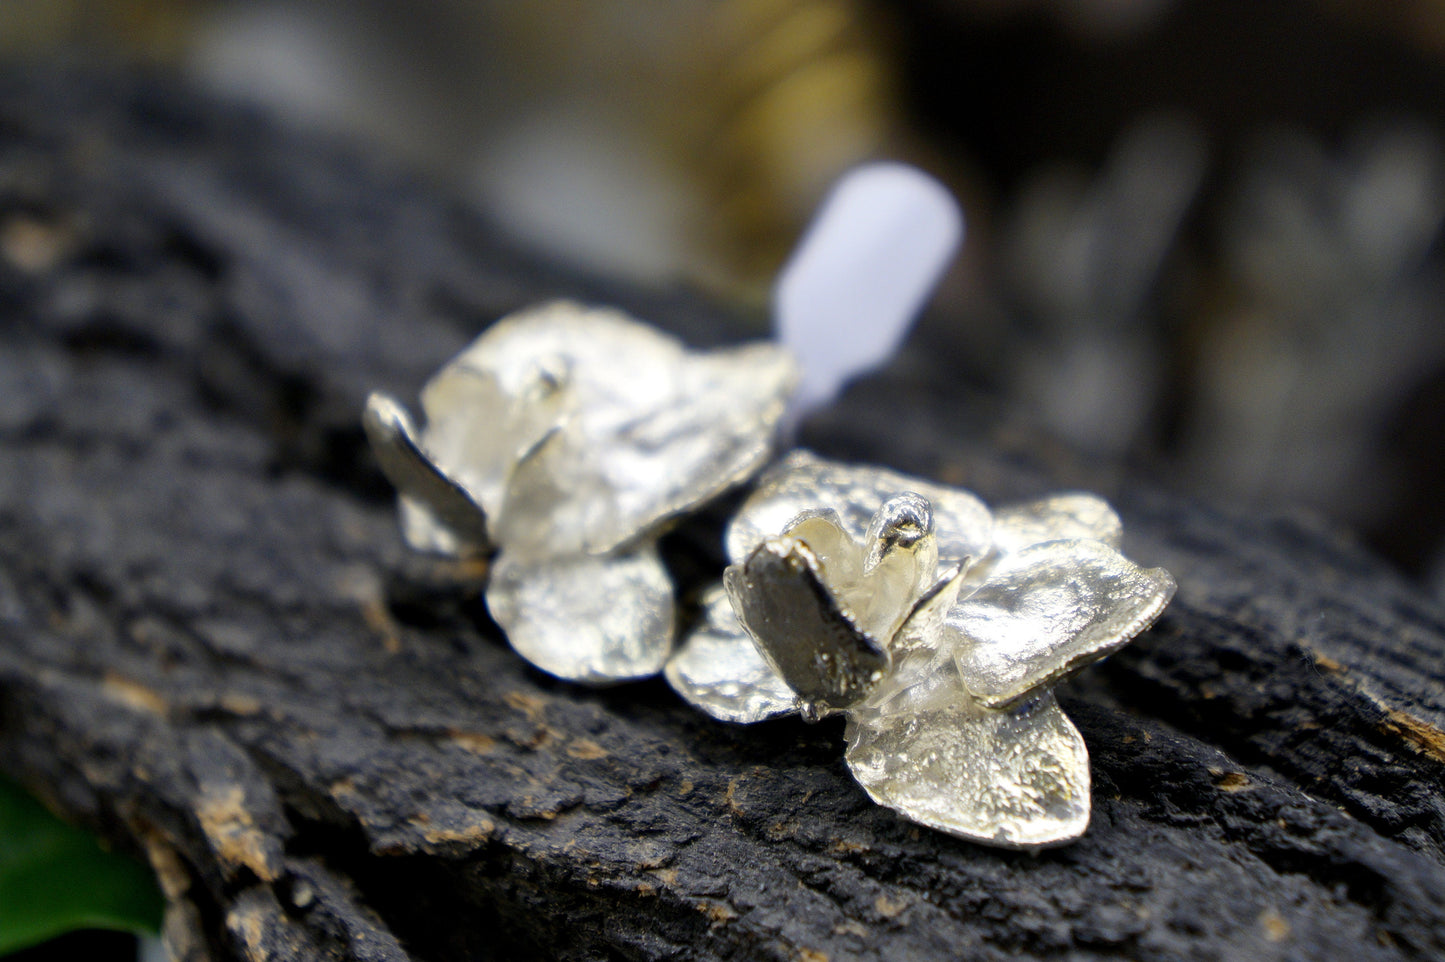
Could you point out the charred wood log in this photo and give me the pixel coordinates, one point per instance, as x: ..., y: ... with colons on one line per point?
x: 215, y: 650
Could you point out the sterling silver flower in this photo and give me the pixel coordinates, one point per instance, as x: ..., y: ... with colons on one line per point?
x: 563, y: 441
x: 937, y: 627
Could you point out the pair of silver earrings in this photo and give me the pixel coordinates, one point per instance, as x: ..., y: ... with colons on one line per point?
x: 566, y: 439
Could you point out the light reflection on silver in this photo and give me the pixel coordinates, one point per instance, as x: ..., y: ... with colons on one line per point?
x: 1062, y: 517
x: 619, y: 626
x: 943, y: 665
x: 1015, y: 779
x: 565, y: 439
x: 1046, y: 612
x: 722, y: 668
x: 438, y: 514
x: 802, y: 482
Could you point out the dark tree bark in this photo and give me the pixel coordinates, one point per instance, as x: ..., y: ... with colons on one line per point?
x: 215, y: 650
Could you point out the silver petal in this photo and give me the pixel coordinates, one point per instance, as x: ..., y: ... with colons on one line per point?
x: 479, y: 427
x: 587, y: 347
x: 1016, y: 778
x: 813, y: 644
x: 438, y: 513
x: 595, y: 620
x: 1047, y: 611
x: 803, y: 481
x: 719, y: 670
x: 902, y: 557
x: 840, y: 558
x: 654, y: 431
x: 875, y: 591
x: 920, y: 630
x: 1063, y: 517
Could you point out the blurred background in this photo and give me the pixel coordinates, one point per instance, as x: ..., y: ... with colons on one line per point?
x: 1203, y: 234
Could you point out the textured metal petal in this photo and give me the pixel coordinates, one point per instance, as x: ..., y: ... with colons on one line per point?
x: 1063, y: 517
x: 479, y: 425
x: 920, y: 630
x: 1016, y: 778
x: 840, y: 558
x: 583, y: 344
x: 594, y: 620
x: 438, y: 513
x: 719, y: 670
x: 902, y: 557
x: 813, y: 644
x: 1046, y: 612
x: 652, y: 431
x: 876, y: 584
x: 802, y: 481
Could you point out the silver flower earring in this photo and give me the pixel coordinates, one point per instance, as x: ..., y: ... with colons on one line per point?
x: 937, y: 627
x: 563, y: 441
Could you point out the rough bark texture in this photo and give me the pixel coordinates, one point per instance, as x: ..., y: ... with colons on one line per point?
x: 215, y: 651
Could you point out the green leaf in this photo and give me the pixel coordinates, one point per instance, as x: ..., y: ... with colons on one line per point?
x: 55, y: 878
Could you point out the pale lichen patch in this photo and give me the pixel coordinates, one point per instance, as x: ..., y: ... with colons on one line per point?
x: 586, y: 750
x: 134, y: 695
x: 233, y: 833
x: 34, y: 246
x: 475, y: 742
x: 166, y: 863
x: 1230, y: 781
x: 1424, y: 736
x: 717, y: 912
x: 239, y: 704
x: 530, y: 705
x: 889, y: 908
x: 470, y: 834
x: 247, y: 925
x: 1276, y: 929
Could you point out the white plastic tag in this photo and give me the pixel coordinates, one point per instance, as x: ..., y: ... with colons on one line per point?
x: 864, y: 269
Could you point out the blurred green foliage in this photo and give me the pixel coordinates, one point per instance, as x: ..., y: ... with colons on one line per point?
x: 55, y: 878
